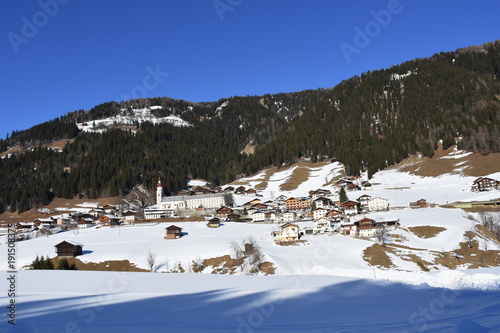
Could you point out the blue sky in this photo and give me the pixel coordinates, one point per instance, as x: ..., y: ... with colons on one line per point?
x: 63, y: 55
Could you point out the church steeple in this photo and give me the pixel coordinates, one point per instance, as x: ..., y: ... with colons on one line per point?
x: 159, y: 191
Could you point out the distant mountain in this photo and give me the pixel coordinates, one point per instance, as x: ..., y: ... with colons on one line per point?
x: 368, y: 122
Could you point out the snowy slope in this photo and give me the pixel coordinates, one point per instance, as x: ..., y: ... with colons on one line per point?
x: 130, y: 118
x: 72, y: 301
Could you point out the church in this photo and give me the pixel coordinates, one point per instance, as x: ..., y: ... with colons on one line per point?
x: 209, y: 201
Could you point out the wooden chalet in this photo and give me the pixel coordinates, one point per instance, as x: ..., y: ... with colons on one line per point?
x: 69, y: 249
x: 223, y: 212
x: 173, y: 232
x: 213, y: 223
x: 229, y: 189
x: 232, y: 217
x: 366, y: 227
x: 482, y: 184
x: 251, y: 191
x: 240, y: 190
x: 185, y: 193
x: 109, y: 220
x: 288, y: 232
x: 419, y: 203
x: 350, y: 207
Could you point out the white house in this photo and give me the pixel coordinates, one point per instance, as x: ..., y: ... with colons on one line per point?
x: 378, y: 204
x: 322, y: 225
x: 289, y: 216
x: 363, y: 201
x: 319, y: 212
x: 288, y: 232
x: 322, y: 203
x: 258, y: 217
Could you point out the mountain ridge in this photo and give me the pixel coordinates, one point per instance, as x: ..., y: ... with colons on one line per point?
x: 368, y: 122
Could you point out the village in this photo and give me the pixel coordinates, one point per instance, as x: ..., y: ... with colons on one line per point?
x: 322, y: 208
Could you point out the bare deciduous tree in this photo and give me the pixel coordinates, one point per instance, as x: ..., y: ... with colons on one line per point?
x: 151, y: 260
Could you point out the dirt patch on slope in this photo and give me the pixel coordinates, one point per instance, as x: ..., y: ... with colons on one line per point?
x: 108, y: 265
x: 474, y: 165
x: 299, y: 175
x: 426, y: 231
x: 376, y: 255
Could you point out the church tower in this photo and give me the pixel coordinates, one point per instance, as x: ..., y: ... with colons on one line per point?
x: 159, y: 192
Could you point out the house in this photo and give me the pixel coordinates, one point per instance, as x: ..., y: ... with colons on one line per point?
x: 288, y: 232
x: 232, y: 217
x: 129, y: 217
x: 199, y: 190
x: 96, y: 212
x: 289, y: 216
x: 349, y: 228
x: 109, y: 220
x: 482, y: 184
x: 173, y: 232
x: 69, y: 249
x: 251, y: 191
x: 420, y: 203
x: 363, y: 201
x: 260, y: 206
x: 271, y: 216
x: 280, y: 201
x: 322, y: 225
x: 240, y: 190
x: 366, y: 227
x: 24, y: 226
x: 335, y: 215
x: 322, y: 202
x: 44, y: 222
x: 353, y: 187
x: 319, y: 212
x: 367, y: 186
x: 258, y: 216
x: 252, y: 202
x: 319, y: 193
x: 185, y: 193
x: 378, y: 204
x: 389, y: 225
x: 229, y: 189
x: 85, y: 222
x: 214, y: 223
x: 108, y: 209
x: 223, y: 212
x: 350, y: 207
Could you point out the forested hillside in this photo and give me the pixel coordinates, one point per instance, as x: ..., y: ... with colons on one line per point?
x: 367, y: 122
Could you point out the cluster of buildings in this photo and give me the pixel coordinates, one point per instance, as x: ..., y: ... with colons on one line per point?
x: 363, y: 228
x: 107, y: 215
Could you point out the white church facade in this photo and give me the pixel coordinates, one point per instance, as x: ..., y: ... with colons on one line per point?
x: 209, y: 201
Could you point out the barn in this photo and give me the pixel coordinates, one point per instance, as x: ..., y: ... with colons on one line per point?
x: 68, y: 249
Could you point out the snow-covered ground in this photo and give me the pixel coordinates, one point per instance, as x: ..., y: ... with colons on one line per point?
x: 74, y: 301
x: 130, y: 118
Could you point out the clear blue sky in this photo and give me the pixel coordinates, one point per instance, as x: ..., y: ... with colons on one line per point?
x: 88, y: 52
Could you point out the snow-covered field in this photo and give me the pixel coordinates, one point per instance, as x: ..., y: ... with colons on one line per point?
x: 73, y: 301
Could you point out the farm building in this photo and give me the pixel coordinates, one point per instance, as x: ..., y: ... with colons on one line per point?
x: 68, y: 249
x: 173, y: 232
